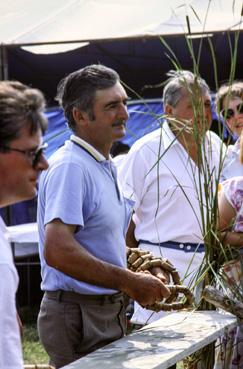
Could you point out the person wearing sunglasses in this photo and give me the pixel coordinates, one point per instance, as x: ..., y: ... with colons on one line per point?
x: 22, y: 123
x: 229, y: 102
x: 229, y: 350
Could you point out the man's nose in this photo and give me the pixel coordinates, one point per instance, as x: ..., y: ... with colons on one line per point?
x: 124, y: 112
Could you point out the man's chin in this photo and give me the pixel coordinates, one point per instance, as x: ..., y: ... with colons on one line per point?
x: 31, y: 194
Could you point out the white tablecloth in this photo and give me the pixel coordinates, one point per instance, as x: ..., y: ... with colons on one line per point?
x: 24, y: 239
x: 23, y: 233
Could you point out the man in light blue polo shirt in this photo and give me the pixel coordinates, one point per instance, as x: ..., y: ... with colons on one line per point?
x: 82, y: 219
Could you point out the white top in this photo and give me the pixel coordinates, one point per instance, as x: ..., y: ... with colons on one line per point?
x: 166, y: 191
x: 232, y: 166
x: 10, y: 342
x: 117, y: 160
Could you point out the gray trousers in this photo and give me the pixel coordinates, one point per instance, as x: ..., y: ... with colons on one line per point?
x: 71, y: 325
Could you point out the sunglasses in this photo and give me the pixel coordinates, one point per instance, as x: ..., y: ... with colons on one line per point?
x: 230, y: 113
x: 33, y: 155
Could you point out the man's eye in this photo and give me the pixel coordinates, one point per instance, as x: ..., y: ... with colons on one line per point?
x: 112, y: 106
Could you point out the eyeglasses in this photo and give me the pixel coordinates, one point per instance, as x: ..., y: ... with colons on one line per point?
x: 230, y: 113
x: 33, y: 155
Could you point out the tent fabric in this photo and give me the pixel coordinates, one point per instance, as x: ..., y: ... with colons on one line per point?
x: 144, y: 117
x: 121, y: 34
x: 86, y: 20
x: 139, y: 62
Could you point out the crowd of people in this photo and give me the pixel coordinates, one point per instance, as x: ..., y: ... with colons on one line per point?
x: 90, y: 208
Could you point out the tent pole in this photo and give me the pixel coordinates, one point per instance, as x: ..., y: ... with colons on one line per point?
x: 3, y: 63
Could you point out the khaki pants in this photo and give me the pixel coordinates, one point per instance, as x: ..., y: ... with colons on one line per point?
x: 71, y: 325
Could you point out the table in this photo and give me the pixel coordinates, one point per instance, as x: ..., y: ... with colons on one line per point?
x: 161, y: 344
x: 24, y: 240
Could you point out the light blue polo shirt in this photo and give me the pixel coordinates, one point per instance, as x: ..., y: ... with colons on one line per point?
x: 80, y: 188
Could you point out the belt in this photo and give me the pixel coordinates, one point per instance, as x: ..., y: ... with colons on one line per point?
x: 186, y: 246
x: 69, y: 296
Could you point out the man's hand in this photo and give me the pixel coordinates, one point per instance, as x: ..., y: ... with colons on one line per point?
x: 161, y: 274
x: 146, y: 289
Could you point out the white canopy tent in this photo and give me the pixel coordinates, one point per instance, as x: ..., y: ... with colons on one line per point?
x: 123, y: 34
x: 68, y: 22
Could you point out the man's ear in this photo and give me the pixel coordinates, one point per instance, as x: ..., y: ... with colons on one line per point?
x: 79, y: 116
x: 168, y: 109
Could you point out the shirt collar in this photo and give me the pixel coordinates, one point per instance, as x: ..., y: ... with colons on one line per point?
x: 91, y: 150
x: 169, y: 138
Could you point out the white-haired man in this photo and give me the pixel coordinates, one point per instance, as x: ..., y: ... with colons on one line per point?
x: 164, y: 173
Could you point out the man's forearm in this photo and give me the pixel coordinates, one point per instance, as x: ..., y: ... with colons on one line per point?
x: 65, y: 254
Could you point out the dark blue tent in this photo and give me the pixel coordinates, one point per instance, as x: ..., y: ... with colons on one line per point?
x: 145, y: 116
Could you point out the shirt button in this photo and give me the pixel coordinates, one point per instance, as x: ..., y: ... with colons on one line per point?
x: 188, y: 247
x: 181, y: 246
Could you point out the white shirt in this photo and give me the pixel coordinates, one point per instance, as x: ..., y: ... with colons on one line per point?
x: 165, y: 182
x: 232, y: 166
x: 117, y: 160
x: 166, y: 191
x: 10, y: 342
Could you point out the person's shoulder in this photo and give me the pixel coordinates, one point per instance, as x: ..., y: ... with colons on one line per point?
x: 148, y: 141
x: 68, y: 156
x: 213, y: 136
x: 65, y: 163
x: 117, y: 160
x: 216, y: 143
x: 233, y: 183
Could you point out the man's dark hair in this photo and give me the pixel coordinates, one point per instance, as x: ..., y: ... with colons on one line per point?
x: 78, y: 89
x: 20, y: 105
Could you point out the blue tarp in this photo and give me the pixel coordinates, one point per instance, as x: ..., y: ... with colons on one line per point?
x: 144, y: 118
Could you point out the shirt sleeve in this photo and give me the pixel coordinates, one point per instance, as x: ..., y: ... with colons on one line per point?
x: 65, y: 192
x: 233, y: 190
x: 10, y: 342
x: 132, y: 175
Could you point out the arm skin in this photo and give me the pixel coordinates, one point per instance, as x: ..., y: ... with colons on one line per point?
x: 130, y: 237
x: 65, y: 254
x: 20, y: 325
x: 226, y: 216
